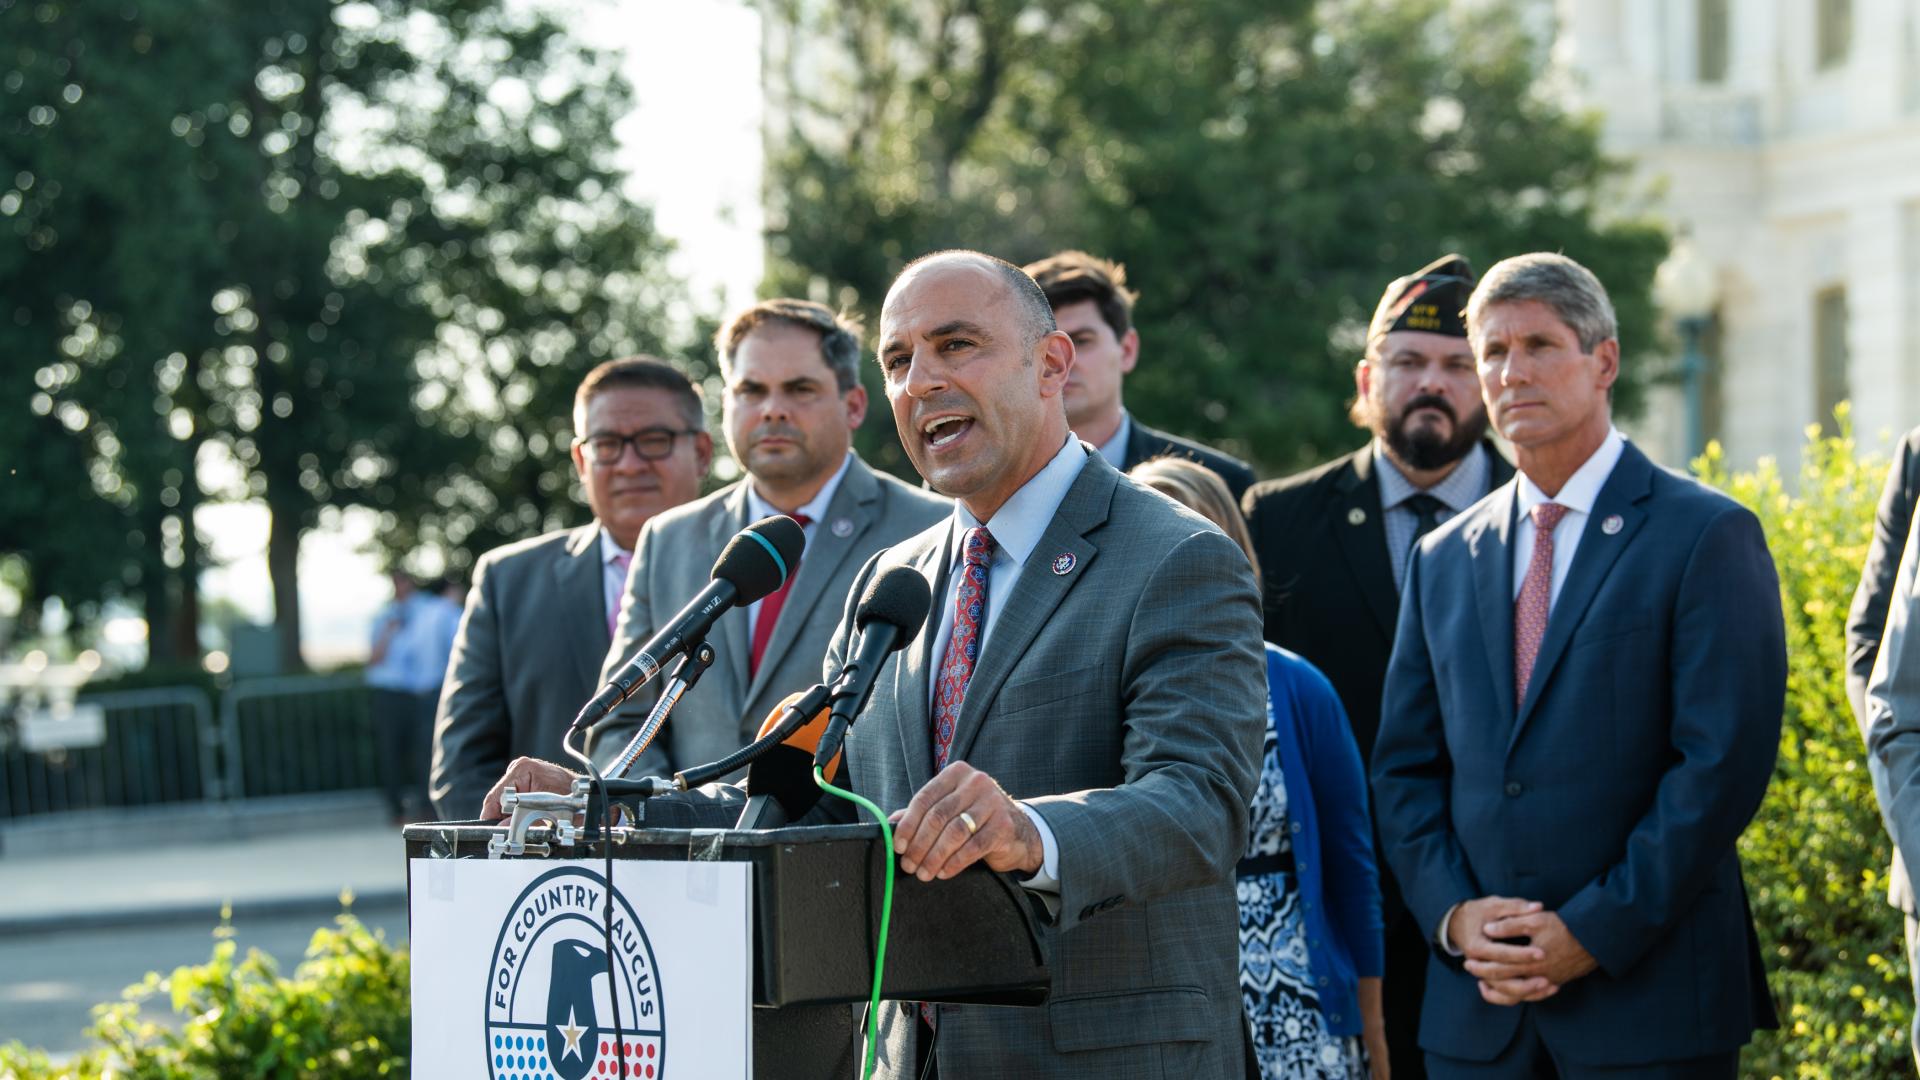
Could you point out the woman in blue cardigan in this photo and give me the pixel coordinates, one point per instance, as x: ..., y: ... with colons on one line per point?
x: 1311, y: 955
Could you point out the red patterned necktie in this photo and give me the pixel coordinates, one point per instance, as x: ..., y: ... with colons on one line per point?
x: 1535, y: 599
x: 770, y: 610
x: 622, y: 560
x: 956, y: 667
x: 963, y: 647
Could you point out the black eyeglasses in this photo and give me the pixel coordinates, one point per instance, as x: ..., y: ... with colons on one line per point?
x: 651, y: 444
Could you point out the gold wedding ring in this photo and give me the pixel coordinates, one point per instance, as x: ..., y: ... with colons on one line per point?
x: 967, y: 820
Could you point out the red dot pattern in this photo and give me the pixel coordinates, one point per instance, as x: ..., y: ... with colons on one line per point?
x: 639, y: 1063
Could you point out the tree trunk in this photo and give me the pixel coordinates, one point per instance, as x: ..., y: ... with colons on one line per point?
x: 157, y: 591
x: 283, y: 558
x: 186, y: 611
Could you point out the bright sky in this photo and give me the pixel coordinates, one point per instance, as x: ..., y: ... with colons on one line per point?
x: 693, y: 148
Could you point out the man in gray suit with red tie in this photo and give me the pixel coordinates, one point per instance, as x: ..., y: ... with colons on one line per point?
x: 1082, y: 710
x: 1580, y: 717
x: 792, y: 401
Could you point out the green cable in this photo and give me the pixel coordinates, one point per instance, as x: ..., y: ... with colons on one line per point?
x: 886, y: 916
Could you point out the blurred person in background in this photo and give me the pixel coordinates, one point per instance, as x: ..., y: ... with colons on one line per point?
x: 1333, y: 542
x: 400, y: 703
x: 1093, y: 306
x: 541, y: 612
x: 1311, y: 951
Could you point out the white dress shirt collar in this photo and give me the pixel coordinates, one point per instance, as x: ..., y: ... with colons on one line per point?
x: 815, y: 508
x: 609, y: 547
x: 1582, y: 489
x: 1115, y: 448
x: 1020, y: 522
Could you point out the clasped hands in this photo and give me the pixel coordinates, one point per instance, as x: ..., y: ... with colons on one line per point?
x: 932, y: 835
x: 1512, y: 973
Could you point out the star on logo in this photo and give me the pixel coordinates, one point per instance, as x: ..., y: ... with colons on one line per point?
x: 572, y: 1031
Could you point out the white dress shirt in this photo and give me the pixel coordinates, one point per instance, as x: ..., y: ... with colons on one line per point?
x: 1577, y: 495
x: 1115, y: 448
x: 613, y: 578
x: 1016, y: 527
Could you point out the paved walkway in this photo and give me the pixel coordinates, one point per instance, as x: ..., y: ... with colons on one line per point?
x: 271, y: 867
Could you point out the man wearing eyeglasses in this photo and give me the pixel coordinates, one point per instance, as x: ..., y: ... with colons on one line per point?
x: 793, y: 399
x: 541, y: 612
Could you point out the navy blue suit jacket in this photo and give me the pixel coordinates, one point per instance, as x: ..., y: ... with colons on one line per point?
x: 1614, y: 793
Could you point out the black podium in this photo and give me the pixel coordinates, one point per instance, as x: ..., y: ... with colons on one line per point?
x: 817, y: 894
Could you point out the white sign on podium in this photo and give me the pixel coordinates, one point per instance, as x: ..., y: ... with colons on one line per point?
x: 510, y: 970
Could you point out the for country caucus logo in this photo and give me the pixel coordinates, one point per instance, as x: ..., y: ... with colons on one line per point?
x: 549, y: 996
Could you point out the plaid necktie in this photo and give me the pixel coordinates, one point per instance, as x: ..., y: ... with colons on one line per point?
x: 1536, y: 597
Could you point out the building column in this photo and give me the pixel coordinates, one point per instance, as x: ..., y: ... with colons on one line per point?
x: 1879, y: 263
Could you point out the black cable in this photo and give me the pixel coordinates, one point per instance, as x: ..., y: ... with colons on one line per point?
x: 606, y: 924
x: 793, y: 718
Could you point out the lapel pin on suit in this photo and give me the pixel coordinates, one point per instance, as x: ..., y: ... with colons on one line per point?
x: 1063, y: 564
x: 1613, y: 524
x: 842, y: 527
x: 1356, y: 516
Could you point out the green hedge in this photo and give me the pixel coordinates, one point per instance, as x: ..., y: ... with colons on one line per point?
x: 1816, y: 855
x: 343, y: 1014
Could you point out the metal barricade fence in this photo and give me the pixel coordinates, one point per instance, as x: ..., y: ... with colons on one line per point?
x: 296, y: 735
x: 160, y: 746
x: 291, y: 735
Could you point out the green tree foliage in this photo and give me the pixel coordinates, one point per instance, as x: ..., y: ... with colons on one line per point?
x: 343, y: 1013
x: 1816, y: 855
x: 1263, y: 168
x: 314, y: 253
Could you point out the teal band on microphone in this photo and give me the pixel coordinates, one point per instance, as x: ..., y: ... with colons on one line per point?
x: 777, y: 560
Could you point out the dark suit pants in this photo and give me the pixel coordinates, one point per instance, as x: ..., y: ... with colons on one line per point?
x: 1528, y: 1058
x: 1400, y: 991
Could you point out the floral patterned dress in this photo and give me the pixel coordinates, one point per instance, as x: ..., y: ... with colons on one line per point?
x: 1290, y: 1036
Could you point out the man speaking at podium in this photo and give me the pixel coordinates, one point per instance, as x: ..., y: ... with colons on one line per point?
x: 1083, y: 709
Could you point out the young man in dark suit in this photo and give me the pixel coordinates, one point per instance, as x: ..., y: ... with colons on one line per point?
x: 1093, y: 306
x: 1334, y: 541
x: 1580, y: 718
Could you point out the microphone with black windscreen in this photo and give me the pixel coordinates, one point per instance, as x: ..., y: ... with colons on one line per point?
x: 890, y: 614
x: 780, y: 785
x: 754, y: 564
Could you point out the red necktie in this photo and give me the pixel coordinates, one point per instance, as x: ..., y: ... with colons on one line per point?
x: 621, y: 561
x: 963, y: 647
x: 1536, y: 597
x: 770, y: 610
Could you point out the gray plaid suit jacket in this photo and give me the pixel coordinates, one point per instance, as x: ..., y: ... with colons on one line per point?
x: 1125, y: 700
x: 673, y: 561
